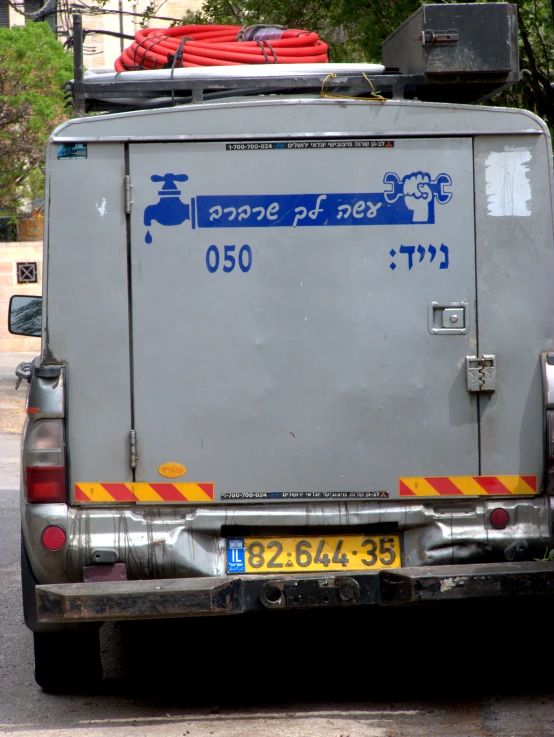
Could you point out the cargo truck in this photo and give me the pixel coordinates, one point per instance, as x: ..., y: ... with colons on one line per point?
x: 297, y: 341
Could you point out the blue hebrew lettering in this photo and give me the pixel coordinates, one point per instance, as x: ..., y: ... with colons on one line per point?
x: 405, y: 201
x: 410, y: 251
x: 299, y: 210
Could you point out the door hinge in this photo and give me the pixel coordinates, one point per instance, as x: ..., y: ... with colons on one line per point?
x: 133, y: 448
x: 481, y: 373
x: 128, y: 200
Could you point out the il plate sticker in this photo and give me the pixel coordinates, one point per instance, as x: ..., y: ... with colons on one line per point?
x: 235, y: 555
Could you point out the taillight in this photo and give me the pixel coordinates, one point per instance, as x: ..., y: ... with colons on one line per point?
x: 44, y: 462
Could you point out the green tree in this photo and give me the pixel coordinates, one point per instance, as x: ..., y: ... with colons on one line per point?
x: 536, y: 34
x: 33, y: 69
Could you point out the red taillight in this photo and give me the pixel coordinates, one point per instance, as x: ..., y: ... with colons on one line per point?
x: 44, y: 463
x: 45, y: 484
x: 53, y: 538
x: 499, y: 518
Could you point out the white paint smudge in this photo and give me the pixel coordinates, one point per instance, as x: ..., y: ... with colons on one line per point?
x: 451, y: 583
x: 102, y: 208
x: 507, y: 184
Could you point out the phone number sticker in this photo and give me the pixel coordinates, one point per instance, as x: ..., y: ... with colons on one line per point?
x: 298, y: 145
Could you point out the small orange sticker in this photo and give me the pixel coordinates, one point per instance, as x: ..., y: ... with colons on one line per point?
x: 172, y: 470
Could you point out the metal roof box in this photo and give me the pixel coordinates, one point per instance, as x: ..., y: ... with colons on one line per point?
x: 457, y: 39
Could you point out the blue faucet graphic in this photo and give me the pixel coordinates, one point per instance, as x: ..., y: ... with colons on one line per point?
x: 169, y: 210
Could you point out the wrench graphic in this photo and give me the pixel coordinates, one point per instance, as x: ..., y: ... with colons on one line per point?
x: 396, y: 186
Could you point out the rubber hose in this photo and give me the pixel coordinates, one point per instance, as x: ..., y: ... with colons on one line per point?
x: 213, y: 45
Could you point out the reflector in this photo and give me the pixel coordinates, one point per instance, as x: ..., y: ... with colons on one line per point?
x: 499, y: 518
x: 53, y: 538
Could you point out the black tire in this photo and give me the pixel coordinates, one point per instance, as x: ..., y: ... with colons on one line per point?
x: 68, y: 662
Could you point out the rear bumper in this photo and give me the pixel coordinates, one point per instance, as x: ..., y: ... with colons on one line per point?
x: 186, y: 542
x: 90, y: 602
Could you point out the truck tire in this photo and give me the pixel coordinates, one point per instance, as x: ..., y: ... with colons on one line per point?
x: 67, y: 662
x: 67, y: 657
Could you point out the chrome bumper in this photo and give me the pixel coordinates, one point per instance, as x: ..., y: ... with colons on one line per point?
x: 179, y: 542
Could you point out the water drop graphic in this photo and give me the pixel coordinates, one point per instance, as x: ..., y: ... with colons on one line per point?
x: 148, y: 237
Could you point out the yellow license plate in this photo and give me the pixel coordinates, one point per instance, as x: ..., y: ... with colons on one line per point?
x: 297, y: 554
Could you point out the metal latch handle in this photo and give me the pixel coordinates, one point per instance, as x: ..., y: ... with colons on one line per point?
x: 434, y: 37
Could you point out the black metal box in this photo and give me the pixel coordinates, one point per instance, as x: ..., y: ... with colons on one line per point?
x: 456, y: 39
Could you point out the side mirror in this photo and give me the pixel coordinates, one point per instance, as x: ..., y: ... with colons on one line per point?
x: 25, y: 316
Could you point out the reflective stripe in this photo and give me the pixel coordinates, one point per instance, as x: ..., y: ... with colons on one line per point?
x: 157, y: 493
x: 467, y: 485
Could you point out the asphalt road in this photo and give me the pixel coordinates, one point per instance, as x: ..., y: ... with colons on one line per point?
x: 481, y: 670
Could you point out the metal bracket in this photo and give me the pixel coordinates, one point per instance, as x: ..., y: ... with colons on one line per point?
x: 311, y: 592
x: 23, y: 371
x: 481, y: 373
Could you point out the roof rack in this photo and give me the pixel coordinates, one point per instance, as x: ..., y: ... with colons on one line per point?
x: 461, y: 53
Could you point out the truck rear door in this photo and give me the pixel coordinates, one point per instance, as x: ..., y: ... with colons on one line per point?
x: 301, y: 316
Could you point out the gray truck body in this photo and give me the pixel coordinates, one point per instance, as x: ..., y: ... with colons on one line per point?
x: 301, y: 385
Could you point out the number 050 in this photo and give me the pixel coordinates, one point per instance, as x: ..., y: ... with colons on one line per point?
x: 213, y: 259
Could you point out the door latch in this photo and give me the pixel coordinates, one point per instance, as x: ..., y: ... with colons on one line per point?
x: 481, y: 373
x: 449, y: 318
x: 435, y: 37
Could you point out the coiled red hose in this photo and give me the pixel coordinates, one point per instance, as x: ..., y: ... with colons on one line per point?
x: 212, y: 45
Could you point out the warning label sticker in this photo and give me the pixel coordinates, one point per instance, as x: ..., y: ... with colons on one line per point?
x: 294, y: 495
x: 292, y: 145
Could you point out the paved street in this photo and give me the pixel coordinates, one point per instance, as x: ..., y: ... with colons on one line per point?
x: 451, y: 672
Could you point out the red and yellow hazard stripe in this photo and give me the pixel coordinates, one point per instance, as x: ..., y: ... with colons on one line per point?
x: 140, y: 492
x: 467, y: 485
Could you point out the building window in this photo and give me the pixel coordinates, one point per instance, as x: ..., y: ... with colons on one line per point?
x: 27, y: 273
x: 8, y: 226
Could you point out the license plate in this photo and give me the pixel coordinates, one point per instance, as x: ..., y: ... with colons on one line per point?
x: 297, y: 554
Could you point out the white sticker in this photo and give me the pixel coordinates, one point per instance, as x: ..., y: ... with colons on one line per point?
x: 507, y: 184
x: 102, y: 208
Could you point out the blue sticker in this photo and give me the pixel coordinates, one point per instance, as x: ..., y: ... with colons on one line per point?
x: 235, y: 555
x: 72, y: 150
x: 402, y: 201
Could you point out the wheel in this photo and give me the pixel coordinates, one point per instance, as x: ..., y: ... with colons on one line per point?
x: 67, y: 662
x: 67, y: 657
